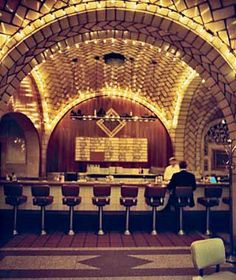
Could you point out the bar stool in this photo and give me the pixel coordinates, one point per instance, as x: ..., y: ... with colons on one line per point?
x: 226, y: 200
x: 71, y: 198
x: 101, y: 198
x: 128, y: 199
x: 183, y: 198
x: 154, y: 197
x: 14, y: 197
x: 41, y: 197
x: 210, y: 199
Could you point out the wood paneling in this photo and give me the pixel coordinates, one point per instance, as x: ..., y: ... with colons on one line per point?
x: 61, y: 148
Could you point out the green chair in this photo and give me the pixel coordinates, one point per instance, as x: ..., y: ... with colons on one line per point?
x: 210, y: 252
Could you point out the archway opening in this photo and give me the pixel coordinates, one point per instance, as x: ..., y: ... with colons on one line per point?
x: 20, y: 147
x: 75, y: 145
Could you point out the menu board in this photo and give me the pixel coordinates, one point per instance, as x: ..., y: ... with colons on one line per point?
x: 111, y: 149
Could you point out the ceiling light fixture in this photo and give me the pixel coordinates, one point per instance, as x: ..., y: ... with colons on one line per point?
x: 114, y: 59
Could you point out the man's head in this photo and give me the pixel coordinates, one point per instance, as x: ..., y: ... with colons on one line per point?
x: 172, y: 161
x: 183, y: 164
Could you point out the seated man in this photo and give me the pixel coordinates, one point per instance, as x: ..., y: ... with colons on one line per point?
x: 182, y: 178
x: 171, y: 169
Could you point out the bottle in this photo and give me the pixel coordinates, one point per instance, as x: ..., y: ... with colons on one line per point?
x: 13, y: 177
x: 8, y: 177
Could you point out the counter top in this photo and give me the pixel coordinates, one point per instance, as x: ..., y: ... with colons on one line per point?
x: 91, y: 183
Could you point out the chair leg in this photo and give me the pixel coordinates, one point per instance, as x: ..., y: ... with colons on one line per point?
x: 71, y: 231
x: 181, y: 231
x: 15, y: 209
x: 43, y: 232
x: 208, y: 232
x: 100, y: 212
x: 127, y: 232
x: 154, y: 232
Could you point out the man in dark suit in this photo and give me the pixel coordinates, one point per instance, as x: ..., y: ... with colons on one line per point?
x: 182, y: 178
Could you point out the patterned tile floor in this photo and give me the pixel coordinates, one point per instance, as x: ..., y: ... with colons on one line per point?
x: 89, y: 239
x: 88, y: 256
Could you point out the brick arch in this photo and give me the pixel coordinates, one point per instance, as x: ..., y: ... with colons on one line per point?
x: 136, y: 98
x: 32, y: 165
x: 205, y: 19
x: 182, y: 119
x: 173, y: 35
x: 210, y: 117
x: 202, y: 134
x: 201, y: 110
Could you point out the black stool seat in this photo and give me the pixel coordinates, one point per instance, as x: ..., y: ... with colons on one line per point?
x: 100, y: 199
x: 42, y: 198
x: 15, y: 200
x: 128, y: 199
x: 71, y: 201
x: 129, y: 196
x: 183, y: 197
x: 70, y: 195
x: 208, y: 202
x: 41, y: 195
x: 128, y: 202
x: 71, y: 198
x: 101, y: 195
x: 226, y: 200
x: 14, y: 197
x: 211, y: 198
x: 154, y: 197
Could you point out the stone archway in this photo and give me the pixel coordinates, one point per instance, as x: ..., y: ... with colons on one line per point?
x: 154, y: 24
x: 20, y: 146
x: 149, y: 30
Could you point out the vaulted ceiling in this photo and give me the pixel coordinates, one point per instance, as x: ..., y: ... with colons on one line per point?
x: 154, y: 75
x: 164, y: 63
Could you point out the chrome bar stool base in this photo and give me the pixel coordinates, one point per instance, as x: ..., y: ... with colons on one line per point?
x: 181, y: 232
x: 15, y: 232
x: 14, y: 197
x: 71, y: 232
x: 101, y: 198
x: 100, y: 212
x: 127, y: 232
x: 231, y: 259
x: 208, y: 233
x: 154, y: 196
x: 100, y: 232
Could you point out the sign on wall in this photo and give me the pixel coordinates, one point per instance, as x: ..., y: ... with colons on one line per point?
x: 111, y: 149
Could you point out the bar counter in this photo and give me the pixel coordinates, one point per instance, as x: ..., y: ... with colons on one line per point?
x: 86, y: 192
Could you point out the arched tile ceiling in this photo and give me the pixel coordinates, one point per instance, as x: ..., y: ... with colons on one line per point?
x: 28, y: 101
x: 214, y: 21
x: 217, y: 16
x: 147, y: 71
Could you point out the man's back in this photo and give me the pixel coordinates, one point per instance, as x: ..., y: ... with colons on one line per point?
x: 182, y: 178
